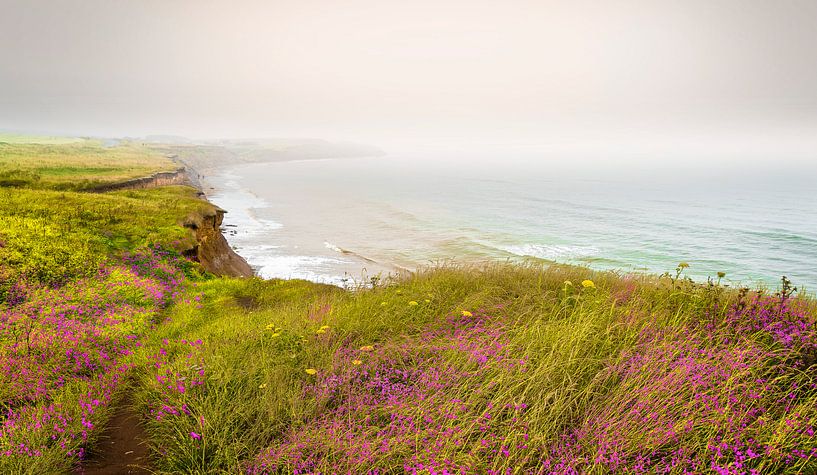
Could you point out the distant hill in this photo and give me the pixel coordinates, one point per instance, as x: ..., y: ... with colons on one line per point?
x: 206, y: 155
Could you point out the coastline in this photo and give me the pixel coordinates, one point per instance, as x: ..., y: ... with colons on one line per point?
x: 269, y: 239
x: 211, y: 250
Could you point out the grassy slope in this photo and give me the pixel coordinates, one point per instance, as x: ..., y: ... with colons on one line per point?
x: 497, y: 370
x: 636, y: 375
x: 75, y: 166
x: 53, y: 236
x: 74, y: 302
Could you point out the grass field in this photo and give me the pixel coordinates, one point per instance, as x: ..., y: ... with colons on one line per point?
x: 500, y: 369
x: 51, y: 237
x: 75, y: 165
x: 11, y: 138
x: 495, y: 370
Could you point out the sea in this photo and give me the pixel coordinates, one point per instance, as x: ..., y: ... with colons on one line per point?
x: 346, y: 221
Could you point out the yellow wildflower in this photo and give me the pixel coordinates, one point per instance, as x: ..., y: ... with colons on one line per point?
x: 270, y: 326
x: 262, y: 386
x: 357, y: 362
x: 320, y: 331
x: 588, y: 284
x: 428, y: 301
x: 384, y: 303
x: 325, y: 327
x: 275, y: 334
x: 683, y: 265
x: 466, y: 313
x: 367, y: 348
x: 412, y: 303
x: 311, y: 371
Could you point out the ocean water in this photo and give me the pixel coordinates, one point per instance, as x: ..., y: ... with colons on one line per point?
x: 344, y: 220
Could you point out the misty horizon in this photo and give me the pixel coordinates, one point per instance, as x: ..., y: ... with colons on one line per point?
x: 637, y: 82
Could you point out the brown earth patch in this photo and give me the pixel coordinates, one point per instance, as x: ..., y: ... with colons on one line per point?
x: 121, y: 448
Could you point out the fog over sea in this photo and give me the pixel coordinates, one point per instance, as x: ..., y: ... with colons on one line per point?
x: 337, y: 219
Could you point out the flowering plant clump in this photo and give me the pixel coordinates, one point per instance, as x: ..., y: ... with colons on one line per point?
x: 730, y: 390
x: 786, y: 321
x: 414, y: 397
x: 177, y: 369
x: 64, y: 351
x: 732, y: 396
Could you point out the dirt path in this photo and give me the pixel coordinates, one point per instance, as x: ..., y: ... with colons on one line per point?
x: 121, y: 448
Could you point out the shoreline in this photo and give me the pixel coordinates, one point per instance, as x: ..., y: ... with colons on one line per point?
x: 280, y: 254
x: 212, y: 250
x: 341, y: 267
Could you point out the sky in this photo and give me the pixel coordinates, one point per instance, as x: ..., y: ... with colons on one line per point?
x: 695, y: 80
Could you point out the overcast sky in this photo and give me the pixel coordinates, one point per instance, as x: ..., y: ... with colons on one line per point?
x: 729, y: 79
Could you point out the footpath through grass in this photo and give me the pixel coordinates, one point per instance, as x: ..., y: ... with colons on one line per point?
x: 496, y: 370
x: 83, y: 277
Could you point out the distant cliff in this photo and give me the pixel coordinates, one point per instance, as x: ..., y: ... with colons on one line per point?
x: 178, y: 177
x: 204, y: 157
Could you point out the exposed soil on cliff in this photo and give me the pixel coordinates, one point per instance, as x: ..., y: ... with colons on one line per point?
x: 212, y: 250
x: 178, y: 177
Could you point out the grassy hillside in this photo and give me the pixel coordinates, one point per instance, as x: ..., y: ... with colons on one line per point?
x: 495, y: 370
x: 51, y: 237
x: 75, y: 165
x: 82, y: 278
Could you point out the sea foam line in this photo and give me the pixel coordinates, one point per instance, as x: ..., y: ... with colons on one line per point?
x: 550, y: 252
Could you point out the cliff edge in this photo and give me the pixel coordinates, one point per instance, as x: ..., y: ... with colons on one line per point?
x: 212, y: 250
x: 177, y: 177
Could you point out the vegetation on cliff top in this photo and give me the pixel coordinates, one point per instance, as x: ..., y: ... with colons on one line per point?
x: 51, y: 237
x: 80, y: 165
x: 502, y: 370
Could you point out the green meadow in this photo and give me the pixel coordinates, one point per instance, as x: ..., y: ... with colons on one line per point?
x: 71, y: 164
x: 499, y: 369
x: 11, y: 138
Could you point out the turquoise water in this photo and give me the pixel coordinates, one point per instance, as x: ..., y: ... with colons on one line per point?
x: 330, y: 220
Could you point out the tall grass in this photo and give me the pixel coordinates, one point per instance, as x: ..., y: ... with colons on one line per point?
x: 51, y: 237
x: 66, y: 352
x: 496, y: 370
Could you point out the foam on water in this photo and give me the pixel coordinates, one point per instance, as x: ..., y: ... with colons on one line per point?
x: 312, y: 268
x: 333, y: 247
x: 550, y: 252
x: 241, y: 206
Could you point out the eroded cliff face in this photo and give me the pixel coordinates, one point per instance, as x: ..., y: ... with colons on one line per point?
x: 212, y: 249
x: 178, y: 177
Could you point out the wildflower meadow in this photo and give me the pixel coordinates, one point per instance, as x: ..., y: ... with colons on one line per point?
x: 491, y: 369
